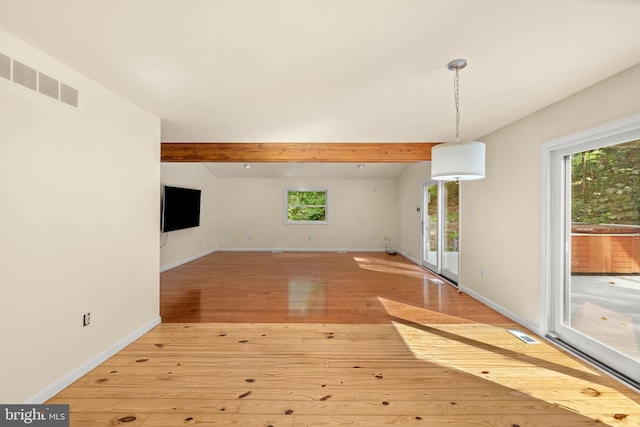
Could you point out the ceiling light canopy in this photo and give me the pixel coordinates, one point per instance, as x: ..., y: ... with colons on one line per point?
x: 458, y: 161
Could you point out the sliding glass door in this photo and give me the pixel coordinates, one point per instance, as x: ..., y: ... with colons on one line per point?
x: 595, y: 233
x: 451, y: 230
x: 430, y: 226
x: 440, y: 228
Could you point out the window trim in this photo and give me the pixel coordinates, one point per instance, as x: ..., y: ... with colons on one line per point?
x: 309, y: 189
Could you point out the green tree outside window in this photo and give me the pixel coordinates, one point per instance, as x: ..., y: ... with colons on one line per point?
x: 606, y: 185
x: 306, y: 206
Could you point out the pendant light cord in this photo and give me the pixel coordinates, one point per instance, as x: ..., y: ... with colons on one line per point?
x: 456, y: 87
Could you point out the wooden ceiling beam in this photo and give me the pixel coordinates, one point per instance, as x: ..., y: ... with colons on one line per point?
x: 329, y: 152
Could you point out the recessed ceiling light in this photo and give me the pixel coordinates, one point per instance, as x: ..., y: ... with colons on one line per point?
x: 247, y: 166
x: 360, y: 166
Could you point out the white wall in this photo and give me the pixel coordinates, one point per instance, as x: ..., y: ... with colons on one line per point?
x: 251, y: 215
x: 79, y: 224
x: 409, y: 219
x: 502, y: 236
x: 182, y: 245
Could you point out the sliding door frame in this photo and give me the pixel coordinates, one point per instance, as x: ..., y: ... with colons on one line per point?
x: 556, y: 220
x: 440, y: 267
x: 426, y: 227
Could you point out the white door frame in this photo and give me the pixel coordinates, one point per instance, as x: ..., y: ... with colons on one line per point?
x: 555, y: 253
x: 437, y: 268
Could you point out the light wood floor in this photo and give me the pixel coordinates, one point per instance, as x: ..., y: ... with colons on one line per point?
x: 300, y: 339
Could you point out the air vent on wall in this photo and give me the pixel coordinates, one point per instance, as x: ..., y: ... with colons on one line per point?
x: 24, y: 75
x: 68, y: 95
x: 31, y: 78
x: 5, y: 66
x: 47, y: 86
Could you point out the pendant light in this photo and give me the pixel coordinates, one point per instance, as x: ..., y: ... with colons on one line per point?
x: 457, y: 161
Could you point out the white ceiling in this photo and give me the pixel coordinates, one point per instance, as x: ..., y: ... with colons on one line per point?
x: 333, y: 70
x: 307, y: 170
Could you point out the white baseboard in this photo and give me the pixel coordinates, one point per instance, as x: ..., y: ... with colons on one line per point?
x: 410, y: 258
x: 186, y: 260
x: 274, y: 250
x: 530, y: 326
x: 278, y: 250
x: 72, y: 376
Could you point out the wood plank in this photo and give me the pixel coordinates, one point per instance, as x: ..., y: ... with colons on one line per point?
x: 336, y: 152
x: 388, y: 348
x: 322, y: 387
x: 242, y: 281
x: 318, y: 406
x: 102, y: 419
x: 367, y: 420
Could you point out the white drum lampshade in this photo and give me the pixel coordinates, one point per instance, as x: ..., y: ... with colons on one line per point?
x: 458, y: 161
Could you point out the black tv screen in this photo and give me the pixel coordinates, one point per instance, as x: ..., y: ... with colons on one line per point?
x: 180, y: 208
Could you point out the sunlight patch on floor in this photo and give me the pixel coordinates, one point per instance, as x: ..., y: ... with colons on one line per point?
x: 389, y: 266
x: 493, y: 354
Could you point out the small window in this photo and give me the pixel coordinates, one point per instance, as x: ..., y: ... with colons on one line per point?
x: 306, y: 206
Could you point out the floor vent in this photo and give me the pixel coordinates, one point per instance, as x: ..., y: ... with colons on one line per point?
x: 522, y: 336
x: 31, y: 78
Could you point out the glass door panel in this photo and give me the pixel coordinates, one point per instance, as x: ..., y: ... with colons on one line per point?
x: 596, y: 305
x: 451, y: 230
x: 440, y: 228
x: 430, y: 226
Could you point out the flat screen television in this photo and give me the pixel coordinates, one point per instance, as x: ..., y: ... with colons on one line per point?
x: 180, y: 208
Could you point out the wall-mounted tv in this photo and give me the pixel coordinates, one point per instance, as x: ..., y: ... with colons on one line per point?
x: 180, y: 208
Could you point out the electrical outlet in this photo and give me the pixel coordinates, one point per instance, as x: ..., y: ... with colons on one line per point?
x: 86, y: 319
